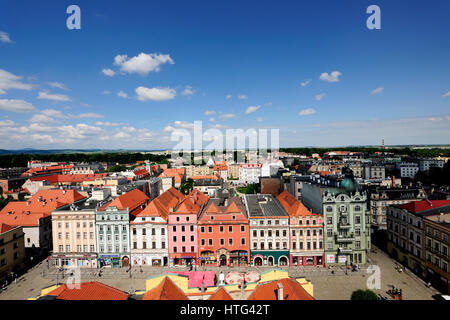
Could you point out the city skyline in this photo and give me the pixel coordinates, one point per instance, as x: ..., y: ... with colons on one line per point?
x: 139, y: 71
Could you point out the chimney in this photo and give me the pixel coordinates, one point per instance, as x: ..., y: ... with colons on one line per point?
x: 280, y: 295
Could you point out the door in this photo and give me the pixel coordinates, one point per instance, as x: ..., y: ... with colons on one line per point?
x: 223, y: 260
x: 258, y: 261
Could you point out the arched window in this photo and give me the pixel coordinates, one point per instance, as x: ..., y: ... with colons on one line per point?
x: 329, y: 209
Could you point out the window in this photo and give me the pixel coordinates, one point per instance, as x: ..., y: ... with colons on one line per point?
x: 67, y: 248
x: 230, y: 241
x: 174, y: 228
x: 242, y: 228
x: 221, y: 229
x: 210, y: 242
x: 202, y: 242
x: 134, y: 245
x: 192, y: 238
x: 261, y: 233
x: 329, y: 220
x: 358, y: 219
x: 153, y: 231
x: 61, y: 248
x: 329, y: 209
x: 210, y: 229
x: 230, y: 228
x: 242, y: 241
x: 153, y: 245
x: 202, y: 229
x: 163, y: 245
x: 183, y: 228
x: 222, y: 242
x: 174, y: 249
x: 174, y: 238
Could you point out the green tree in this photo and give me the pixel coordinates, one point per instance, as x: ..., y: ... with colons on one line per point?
x: 187, y: 186
x: 364, y: 295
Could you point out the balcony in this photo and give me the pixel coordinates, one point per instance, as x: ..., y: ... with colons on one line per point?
x: 345, y: 225
x: 344, y: 238
x: 345, y: 250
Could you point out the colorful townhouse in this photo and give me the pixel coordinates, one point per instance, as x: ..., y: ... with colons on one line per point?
x: 34, y: 215
x: 182, y: 229
x: 149, y: 234
x: 74, y: 235
x: 223, y: 233
x: 306, y: 232
x: 269, y: 230
x: 113, y: 228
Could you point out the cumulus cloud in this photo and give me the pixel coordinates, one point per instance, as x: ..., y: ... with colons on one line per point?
x: 320, y: 96
x: 259, y: 119
x: 108, y: 72
x: 11, y: 81
x: 7, y: 123
x: 55, y: 97
x: 19, y: 106
x: 242, y: 97
x: 446, y: 94
x: 332, y: 77
x: 305, y: 83
x: 86, y: 115
x: 228, y: 116
x: 42, y: 118
x: 143, y: 63
x: 209, y: 112
x: 211, y: 119
x: 58, y: 85
x: 107, y: 124
x: 4, y: 37
x: 187, y: 91
x: 122, y: 94
x: 228, y: 97
x: 106, y: 92
x: 155, y: 94
x: 307, y: 112
x: 377, y: 90
x: 251, y: 109
x: 53, y: 113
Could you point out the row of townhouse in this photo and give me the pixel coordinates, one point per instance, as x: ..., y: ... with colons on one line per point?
x: 174, y: 229
x: 418, y: 236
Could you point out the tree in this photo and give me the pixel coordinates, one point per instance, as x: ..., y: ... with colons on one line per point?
x: 187, y: 186
x: 364, y: 295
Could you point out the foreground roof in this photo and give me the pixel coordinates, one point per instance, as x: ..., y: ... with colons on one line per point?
x: 292, y: 206
x: 166, y: 290
x: 292, y: 290
x: 88, y: 291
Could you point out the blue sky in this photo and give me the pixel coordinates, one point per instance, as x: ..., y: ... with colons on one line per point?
x: 241, y: 62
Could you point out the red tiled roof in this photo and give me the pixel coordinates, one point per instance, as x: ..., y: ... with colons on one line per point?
x: 212, y: 177
x: 64, y: 178
x: 292, y: 206
x: 131, y: 200
x: 292, y: 290
x: 177, y: 173
x: 422, y: 205
x: 47, y: 169
x: 88, y: 291
x: 40, y: 205
x: 220, y: 294
x: 166, y: 290
x: 220, y: 166
x: 161, y: 205
x: 5, y: 227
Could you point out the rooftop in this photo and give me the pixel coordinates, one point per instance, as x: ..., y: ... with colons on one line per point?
x: 263, y: 205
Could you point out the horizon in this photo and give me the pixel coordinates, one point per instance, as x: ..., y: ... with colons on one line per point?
x: 136, y: 73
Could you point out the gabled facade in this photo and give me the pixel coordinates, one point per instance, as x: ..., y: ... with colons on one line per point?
x: 149, y: 234
x: 305, y: 232
x: 182, y: 229
x: 223, y: 234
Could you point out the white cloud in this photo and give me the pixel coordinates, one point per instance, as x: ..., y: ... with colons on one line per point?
x: 143, y: 63
x: 106, y: 92
x: 220, y: 126
x: 268, y: 104
x: 228, y: 97
x: 108, y: 72
x: 209, y: 112
x: 212, y: 119
x: 86, y: 115
x: 7, y: 123
x: 11, y: 81
x: 4, y: 37
x: 42, y: 118
x: 377, y: 90
x: 242, y: 97
x: 155, y: 94
x: 332, y: 77
x: 252, y: 109
x: 227, y: 116
x: 19, y: 106
x: 54, y: 97
x: 58, y: 85
x: 305, y: 83
x: 122, y: 135
x: 187, y: 91
x: 107, y: 124
x: 53, y: 113
x: 306, y: 112
x: 259, y: 119
x: 122, y: 94
x: 320, y: 96
x: 446, y: 94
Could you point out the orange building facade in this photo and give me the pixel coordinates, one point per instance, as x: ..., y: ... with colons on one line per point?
x: 223, y: 234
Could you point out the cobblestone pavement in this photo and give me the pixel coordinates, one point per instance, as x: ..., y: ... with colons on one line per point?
x: 337, y: 286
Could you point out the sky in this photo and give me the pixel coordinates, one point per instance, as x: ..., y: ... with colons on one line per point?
x: 138, y: 73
